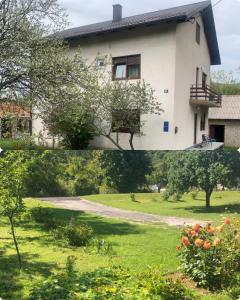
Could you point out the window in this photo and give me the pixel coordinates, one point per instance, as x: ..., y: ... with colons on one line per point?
x: 198, y: 33
x: 166, y: 127
x: 203, y: 121
x: 126, y: 121
x: 127, y: 67
x: 100, y: 63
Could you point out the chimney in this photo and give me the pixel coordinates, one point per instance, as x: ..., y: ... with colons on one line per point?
x: 117, y: 12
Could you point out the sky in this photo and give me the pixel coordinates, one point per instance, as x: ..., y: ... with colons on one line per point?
x: 226, y: 13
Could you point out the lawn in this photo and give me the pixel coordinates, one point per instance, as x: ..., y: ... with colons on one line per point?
x: 223, y: 203
x: 136, y: 247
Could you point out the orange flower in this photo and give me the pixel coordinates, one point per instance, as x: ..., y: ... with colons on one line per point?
x: 227, y: 221
x: 207, y: 245
x: 178, y: 248
x: 211, y: 230
x: 197, y: 227
x: 217, y: 242
x: 220, y: 228
x: 236, y: 221
x: 185, y: 241
x: 194, y: 233
x: 198, y: 243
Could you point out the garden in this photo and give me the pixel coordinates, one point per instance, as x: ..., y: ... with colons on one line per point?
x: 50, y: 252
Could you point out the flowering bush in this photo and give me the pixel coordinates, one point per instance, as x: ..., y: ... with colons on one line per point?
x: 211, y: 255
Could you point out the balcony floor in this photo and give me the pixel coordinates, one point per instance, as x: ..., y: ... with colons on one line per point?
x: 206, y: 103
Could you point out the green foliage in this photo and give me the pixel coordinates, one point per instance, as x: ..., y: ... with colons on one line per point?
x: 225, y: 83
x: 45, y: 217
x: 119, y: 167
x: 210, y: 256
x: 111, y: 283
x: 133, y: 197
x: 99, y: 246
x: 77, y: 235
x: 202, y: 170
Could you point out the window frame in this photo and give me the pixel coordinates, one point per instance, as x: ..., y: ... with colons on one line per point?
x: 124, y: 60
x: 198, y: 33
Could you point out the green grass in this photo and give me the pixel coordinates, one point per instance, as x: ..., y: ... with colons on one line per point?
x: 223, y: 203
x: 136, y: 247
x: 10, y: 144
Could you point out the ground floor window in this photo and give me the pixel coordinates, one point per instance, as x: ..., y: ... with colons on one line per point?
x: 126, y: 121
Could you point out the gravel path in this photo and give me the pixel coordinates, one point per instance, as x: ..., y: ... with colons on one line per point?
x: 77, y: 204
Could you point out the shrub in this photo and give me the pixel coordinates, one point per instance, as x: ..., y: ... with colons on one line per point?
x: 133, y: 197
x: 77, y: 235
x: 45, y: 217
x: 100, y: 247
x: 59, y: 286
x: 110, y: 283
x: 211, y: 256
x: 194, y: 195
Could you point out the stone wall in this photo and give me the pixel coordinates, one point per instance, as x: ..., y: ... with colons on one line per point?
x: 232, y: 131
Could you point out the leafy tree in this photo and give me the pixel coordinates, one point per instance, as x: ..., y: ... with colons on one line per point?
x: 125, y: 171
x: 120, y: 106
x: 202, y: 170
x: 12, y: 173
x: 225, y: 83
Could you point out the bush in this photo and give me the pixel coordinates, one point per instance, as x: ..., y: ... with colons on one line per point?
x: 78, y: 235
x: 102, y: 247
x: 211, y: 256
x: 133, y: 197
x: 59, y: 286
x: 45, y: 216
x: 110, y: 283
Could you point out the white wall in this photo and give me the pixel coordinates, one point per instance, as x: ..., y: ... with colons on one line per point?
x: 189, y: 56
x: 157, y: 46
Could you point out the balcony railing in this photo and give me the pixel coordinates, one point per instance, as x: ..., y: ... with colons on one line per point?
x: 205, y: 95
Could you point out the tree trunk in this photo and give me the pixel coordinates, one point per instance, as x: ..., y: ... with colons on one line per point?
x: 15, y: 242
x: 208, y: 199
x: 131, y: 141
x: 115, y: 143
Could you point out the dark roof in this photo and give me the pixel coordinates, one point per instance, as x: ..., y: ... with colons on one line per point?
x: 180, y: 13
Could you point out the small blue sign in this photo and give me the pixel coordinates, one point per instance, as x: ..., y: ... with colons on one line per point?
x: 166, y: 127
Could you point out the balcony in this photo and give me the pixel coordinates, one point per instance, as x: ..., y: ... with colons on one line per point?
x: 205, y: 96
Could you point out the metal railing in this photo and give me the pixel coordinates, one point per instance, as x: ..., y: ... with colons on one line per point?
x: 205, y: 93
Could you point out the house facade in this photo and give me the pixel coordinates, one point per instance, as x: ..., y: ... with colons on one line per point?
x: 224, y: 123
x: 171, y: 49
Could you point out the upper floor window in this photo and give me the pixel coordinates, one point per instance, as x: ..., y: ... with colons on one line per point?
x: 100, y: 63
x: 198, y: 33
x: 127, y: 67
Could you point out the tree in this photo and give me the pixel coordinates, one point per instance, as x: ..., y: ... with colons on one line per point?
x: 12, y: 173
x: 202, y: 170
x: 120, y: 107
x: 225, y: 83
x: 125, y: 171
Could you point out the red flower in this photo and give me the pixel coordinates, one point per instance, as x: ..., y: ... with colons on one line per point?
x: 227, y: 221
x: 197, y: 227
x: 185, y: 241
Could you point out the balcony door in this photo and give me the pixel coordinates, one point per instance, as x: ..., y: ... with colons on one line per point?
x: 195, y: 128
x: 204, y: 80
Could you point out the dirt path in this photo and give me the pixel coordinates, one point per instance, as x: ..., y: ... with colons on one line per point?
x: 75, y: 203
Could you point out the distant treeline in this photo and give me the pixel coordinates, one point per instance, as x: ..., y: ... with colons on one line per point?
x: 74, y: 173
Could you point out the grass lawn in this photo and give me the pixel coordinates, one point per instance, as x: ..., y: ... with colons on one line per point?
x: 136, y: 247
x: 186, y: 207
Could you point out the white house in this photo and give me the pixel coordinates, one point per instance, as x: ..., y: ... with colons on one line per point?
x: 173, y: 50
